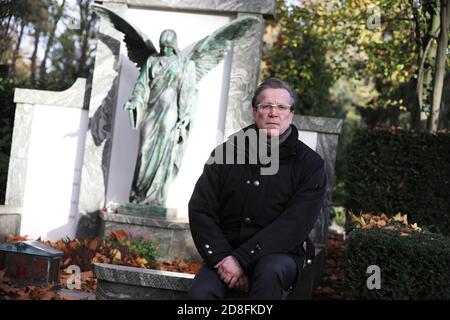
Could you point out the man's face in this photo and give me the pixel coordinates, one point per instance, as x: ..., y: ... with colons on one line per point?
x: 273, y: 119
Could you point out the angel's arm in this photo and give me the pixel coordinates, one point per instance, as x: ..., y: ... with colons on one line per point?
x: 137, y: 104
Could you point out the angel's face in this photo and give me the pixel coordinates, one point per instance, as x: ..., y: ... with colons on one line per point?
x: 270, y: 113
x: 167, y: 51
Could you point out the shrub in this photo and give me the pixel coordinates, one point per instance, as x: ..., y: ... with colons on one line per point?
x: 413, y: 265
x: 391, y: 171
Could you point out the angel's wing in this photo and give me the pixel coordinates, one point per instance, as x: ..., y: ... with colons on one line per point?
x: 209, y: 51
x: 138, y: 45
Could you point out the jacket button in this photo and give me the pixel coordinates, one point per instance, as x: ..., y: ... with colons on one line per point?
x: 207, y: 246
x: 248, y: 181
x: 256, y: 183
x: 247, y: 219
x: 252, y: 252
x: 209, y: 252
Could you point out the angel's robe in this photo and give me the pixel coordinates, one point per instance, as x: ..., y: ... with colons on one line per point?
x: 162, y: 103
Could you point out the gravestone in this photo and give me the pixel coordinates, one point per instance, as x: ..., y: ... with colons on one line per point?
x: 224, y: 95
x: 45, y: 161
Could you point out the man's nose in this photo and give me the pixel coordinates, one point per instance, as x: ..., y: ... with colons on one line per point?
x: 273, y: 111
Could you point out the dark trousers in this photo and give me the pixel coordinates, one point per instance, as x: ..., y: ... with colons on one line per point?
x: 271, y: 275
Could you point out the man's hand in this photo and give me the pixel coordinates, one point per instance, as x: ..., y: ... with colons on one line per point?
x: 242, y: 283
x: 230, y: 271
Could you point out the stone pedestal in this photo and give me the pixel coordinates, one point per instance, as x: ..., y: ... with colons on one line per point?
x: 128, y: 283
x: 141, y: 210
x: 174, y: 236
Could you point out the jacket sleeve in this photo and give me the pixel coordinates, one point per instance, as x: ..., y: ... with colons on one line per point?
x: 294, y: 225
x: 203, y: 217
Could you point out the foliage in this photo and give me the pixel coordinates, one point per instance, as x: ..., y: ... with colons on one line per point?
x: 7, y: 109
x: 148, y: 250
x: 391, y: 171
x: 117, y: 248
x: 298, y: 56
x: 316, y: 43
x: 63, y: 31
x: 413, y: 266
x: 373, y: 221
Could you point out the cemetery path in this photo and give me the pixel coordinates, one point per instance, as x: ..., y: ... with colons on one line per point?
x: 331, y: 287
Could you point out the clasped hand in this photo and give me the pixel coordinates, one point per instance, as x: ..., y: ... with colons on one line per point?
x: 232, y: 273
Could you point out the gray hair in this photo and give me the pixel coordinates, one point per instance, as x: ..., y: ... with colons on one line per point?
x: 275, y: 83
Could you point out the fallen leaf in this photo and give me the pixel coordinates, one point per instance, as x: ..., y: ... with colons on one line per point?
x: 93, y: 245
x: 381, y: 223
x: 12, y: 238
x: 405, y: 219
x: 86, y: 276
x: 118, y: 235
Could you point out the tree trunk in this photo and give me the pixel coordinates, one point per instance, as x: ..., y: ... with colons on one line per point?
x: 4, y: 43
x: 37, y: 35
x: 433, y: 119
x: 425, y: 74
x: 415, y: 107
x: 16, y: 51
x: 51, y: 38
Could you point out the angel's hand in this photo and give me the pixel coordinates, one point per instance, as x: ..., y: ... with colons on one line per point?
x: 129, y: 106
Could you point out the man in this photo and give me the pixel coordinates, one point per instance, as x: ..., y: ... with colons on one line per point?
x: 249, y: 227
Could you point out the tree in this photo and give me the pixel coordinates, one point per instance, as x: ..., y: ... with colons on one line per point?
x: 384, y: 41
x: 297, y: 55
x: 55, y: 17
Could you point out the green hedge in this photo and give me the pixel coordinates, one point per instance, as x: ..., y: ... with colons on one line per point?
x: 412, y: 267
x: 401, y: 171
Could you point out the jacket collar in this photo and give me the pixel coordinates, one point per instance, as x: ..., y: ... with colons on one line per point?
x: 287, y: 149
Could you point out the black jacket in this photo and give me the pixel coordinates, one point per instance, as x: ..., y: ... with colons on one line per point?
x: 234, y: 210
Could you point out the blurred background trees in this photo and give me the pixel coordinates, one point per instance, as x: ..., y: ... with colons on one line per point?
x: 372, y: 63
x: 44, y: 44
x: 47, y: 43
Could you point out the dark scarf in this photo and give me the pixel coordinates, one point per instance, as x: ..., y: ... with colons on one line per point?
x: 287, y: 142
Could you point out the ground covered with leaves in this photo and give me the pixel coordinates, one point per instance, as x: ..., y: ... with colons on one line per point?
x: 331, y: 286
x: 116, y: 248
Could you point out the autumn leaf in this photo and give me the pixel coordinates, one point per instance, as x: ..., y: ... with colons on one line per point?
x: 142, y: 262
x: 86, y: 276
x: 195, y: 267
x: 405, y: 219
x: 42, y: 294
x: 117, y: 256
x: 74, y: 244
x: 118, y: 235
x: 12, y: 238
x: 93, y: 245
x: 381, y: 223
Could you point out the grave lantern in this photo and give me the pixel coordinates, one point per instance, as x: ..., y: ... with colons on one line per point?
x: 30, y: 263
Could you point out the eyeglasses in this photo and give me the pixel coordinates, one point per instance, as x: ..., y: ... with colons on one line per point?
x: 265, y: 107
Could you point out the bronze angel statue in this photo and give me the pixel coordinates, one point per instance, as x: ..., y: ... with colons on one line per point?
x: 164, y: 98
